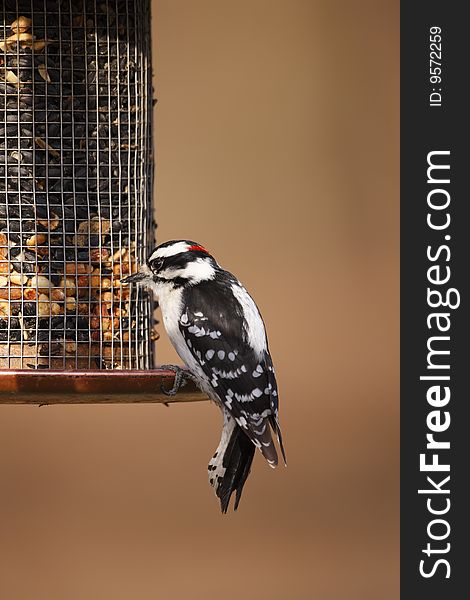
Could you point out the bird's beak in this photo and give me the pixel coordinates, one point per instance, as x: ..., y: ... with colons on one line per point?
x: 136, y: 278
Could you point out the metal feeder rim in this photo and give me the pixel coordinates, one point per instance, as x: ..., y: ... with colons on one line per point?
x: 92, y: 387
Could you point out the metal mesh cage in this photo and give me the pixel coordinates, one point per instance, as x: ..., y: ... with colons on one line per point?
x: 75, y: 183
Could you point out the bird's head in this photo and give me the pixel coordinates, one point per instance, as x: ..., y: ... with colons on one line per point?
x: 178, y: 262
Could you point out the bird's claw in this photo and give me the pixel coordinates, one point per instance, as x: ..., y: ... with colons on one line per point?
x: 181, y: 378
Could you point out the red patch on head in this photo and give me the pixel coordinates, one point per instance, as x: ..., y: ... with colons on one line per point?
x: 197, y: 248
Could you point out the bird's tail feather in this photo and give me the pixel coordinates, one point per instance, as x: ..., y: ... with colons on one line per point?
x: 237, y: 462
x: 230, y: 466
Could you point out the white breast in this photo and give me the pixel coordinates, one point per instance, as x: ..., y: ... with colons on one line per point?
x: 171, y: 304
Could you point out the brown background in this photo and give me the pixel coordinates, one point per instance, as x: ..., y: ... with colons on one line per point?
x: 277, y: 147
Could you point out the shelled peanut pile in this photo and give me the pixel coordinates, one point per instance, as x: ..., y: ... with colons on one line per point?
x: 75, y: 177
x: 84, y: 303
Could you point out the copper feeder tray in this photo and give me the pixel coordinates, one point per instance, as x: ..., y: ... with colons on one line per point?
x: 92, y: 387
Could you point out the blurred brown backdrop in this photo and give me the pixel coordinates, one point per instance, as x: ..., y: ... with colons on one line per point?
x: 277, y: 148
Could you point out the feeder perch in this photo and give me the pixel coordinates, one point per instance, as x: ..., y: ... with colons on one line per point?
x: 76, y: 213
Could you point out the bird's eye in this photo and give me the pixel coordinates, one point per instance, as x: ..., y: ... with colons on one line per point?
x: 156, y: 264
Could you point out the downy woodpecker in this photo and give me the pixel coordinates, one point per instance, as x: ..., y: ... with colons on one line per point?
x: 217, y: 330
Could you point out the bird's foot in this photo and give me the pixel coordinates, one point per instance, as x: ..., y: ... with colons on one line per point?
x: 181, y: 378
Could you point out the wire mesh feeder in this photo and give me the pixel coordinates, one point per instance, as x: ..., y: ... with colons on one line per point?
x: 75, y: 183
x: 76, y: 171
